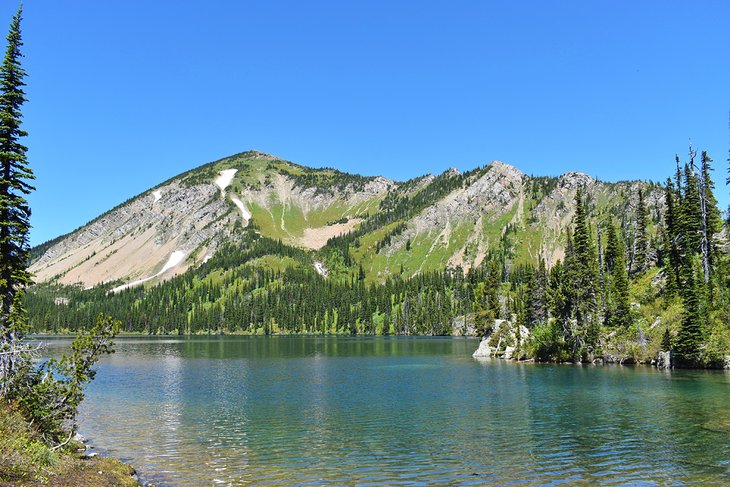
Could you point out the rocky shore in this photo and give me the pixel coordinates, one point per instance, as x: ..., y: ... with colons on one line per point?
x: 508, y: 341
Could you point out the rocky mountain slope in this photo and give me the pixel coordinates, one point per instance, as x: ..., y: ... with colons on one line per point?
x: 386, y: 227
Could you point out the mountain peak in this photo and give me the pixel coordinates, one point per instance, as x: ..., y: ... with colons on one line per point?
x: 255, y: 154
x: 505, y: 168
x: 574, y: 179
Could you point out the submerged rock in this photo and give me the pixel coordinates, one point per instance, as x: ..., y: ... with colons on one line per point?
x: 718, y: 424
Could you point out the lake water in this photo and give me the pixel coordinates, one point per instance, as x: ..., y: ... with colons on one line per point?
x: 397, y: 411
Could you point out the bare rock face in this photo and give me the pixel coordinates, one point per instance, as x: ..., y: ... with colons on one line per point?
x: 491, y: 195
x: 463, y: 326
x: 135, y: 238
x: 575, y: 180
x: 378, y: 186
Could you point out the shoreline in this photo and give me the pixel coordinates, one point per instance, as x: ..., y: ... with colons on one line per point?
x: 656, y: 362
x: 664, y: 361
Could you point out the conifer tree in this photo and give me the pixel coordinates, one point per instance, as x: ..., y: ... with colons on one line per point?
x: 666, y: 340
x: 486, y: 299
x: 690, y: 214
x: 558, y: 293
x: 671, y: 240
x: 14, y: 210
x: 583, y: 272
x: 536, y: 306
x: 690, y: 337
x: 601, y: 269
x: 619, y: 307
x: 641, y: 243
x: 711, y: 219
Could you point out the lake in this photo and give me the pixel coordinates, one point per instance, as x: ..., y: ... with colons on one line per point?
x: 197, y: 411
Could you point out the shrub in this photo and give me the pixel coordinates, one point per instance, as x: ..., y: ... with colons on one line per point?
x: 49, y: 395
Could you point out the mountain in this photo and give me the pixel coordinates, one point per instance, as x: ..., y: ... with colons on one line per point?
x: 386, y: 227
x: 550, y: 268
x: 182, y: 222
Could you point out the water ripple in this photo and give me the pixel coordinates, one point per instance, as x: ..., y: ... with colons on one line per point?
x: 321, y: 411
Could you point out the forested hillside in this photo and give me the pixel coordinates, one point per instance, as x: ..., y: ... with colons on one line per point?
x: 578, y: 269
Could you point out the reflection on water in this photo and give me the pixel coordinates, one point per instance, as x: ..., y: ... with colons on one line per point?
x: 397, y: 411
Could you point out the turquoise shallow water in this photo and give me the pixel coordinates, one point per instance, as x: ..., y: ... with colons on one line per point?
x: 398, y: 411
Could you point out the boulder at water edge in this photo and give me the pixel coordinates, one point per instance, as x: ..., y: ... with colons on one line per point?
x: 484, y: 350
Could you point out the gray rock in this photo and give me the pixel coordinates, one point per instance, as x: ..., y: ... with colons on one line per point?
x: 574, y: 180
x: 484, y: 350
x: 80, y: 438
x: 664, y: 360
x: 463, y: 326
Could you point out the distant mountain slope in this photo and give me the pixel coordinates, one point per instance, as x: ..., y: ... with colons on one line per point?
x: 343, y: 221
x: 182, y: 222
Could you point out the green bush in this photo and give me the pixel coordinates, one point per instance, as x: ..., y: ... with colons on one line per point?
x: 546, y: 343
x: 50, y: 394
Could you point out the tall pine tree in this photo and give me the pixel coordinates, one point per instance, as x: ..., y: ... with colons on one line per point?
x: 536, y: 305
x: 582, y: 271
x: 14, y: 209
x: 641, y: 241
x: 711, y: 219
x: 671, y: 235
x: 691, y: 336
x: 619, y: 306
x: 690, y: 212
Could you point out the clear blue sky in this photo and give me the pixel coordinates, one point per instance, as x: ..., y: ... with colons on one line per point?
x: 125, y: 94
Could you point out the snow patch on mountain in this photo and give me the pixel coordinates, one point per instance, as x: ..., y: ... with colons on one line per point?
x: 175, y: 259
x: 246, y: 214
x: 321, y: 269
x: 225, y: 178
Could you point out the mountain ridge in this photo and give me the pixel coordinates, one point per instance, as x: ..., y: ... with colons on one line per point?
x: 451, y: 219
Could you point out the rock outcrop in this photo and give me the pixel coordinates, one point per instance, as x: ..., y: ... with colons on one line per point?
x: 505, y: 340
x: 484, y: 350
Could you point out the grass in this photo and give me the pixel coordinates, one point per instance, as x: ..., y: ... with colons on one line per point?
x: 26, y: 460
x: 427, y: 252
x: 266, y: 221
x: 22, y: 454
x: 288, y: 222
